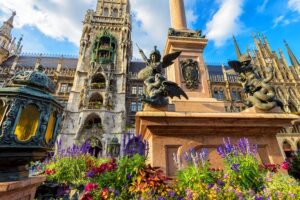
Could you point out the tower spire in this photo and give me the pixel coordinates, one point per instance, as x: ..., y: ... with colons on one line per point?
x: 237, y: 49
x: 5, y: 29
x: 292, y: 56
x: 178, y: 18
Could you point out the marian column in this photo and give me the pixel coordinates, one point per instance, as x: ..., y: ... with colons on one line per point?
x: 189, y: 70
x: 178, y: 19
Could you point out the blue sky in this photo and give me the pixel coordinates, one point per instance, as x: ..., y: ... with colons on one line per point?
x: 54, y: 26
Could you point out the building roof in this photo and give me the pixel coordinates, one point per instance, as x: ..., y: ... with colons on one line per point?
x: 46, y: 61
x: 136, y: 66
x: 216, y: 69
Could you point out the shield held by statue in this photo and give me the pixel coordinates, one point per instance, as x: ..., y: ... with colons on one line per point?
x: 190, y: 73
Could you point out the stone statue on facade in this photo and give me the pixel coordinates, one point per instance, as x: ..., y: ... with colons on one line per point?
x: 157, y: 87
x: 261, y: 92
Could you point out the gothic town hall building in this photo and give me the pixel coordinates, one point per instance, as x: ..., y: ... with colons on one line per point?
x: 100, y: 89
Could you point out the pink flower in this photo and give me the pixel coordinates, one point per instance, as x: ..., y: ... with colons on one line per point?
x: 90, y: 186
x: 285, y: 165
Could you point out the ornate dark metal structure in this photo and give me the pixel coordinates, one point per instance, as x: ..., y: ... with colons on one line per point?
x: 261, y: 92
x: 157, y: 87
x: 29, y: 121
x: 190, y: 73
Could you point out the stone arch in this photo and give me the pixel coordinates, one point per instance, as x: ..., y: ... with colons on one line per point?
x: 115, y: 12
x: 98, y: 81
x: 105, y: 12
x: 95, y: 101
x: 287, y: 149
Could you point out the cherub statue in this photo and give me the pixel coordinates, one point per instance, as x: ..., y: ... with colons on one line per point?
x: 157, y: 87
x: 261, y: 92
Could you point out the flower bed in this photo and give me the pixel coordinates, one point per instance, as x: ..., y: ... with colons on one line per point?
x: 84, y: 177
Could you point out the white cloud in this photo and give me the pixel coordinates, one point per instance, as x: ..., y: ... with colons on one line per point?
x: 225, y: 22
x: 262, y: 7
x: 62, y: 19
x: 294, y: 5
x: 58, y: 19
x: 278, y: 20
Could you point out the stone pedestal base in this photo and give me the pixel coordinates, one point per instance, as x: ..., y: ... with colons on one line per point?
x: 20, y: 190
x: 176, y: 132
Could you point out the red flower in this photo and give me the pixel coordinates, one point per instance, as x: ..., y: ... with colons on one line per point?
x: 87, y: 196
x: 90, y: 186
x: 285, y: 165
x: 50, y: 171
x: 104, y: 193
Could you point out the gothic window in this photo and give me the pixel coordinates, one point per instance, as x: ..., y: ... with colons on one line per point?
x: 28, y: 123
x: 141, y: 90
x: 234, y: 94
x: 240, y: 94
x: 115, y: 12
x: 92, y: 121
x: 63, y: 88
x: 69, y: 88
x: 133, y: 106
x: 133, y: 90
x: 105, y: 12
x: 96, y: 101
x: 98, y: 82
x: 216, y: 93
x: 221, y: 94
x: 287, y: 148
x: 140, y: 106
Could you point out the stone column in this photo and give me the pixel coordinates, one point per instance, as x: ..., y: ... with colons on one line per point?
x: 178, y: 19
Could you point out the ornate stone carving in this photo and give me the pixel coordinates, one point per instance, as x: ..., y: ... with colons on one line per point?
x: 189, y: 33
x: 158, y: 88
x: 190, y: 73
x: 261, y: 92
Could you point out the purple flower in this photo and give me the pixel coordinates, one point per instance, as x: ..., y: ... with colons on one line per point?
x: 90, y: 174
x: 235, y: 167
x: 128, y: 176
x: 171, y: 193
x: 161, y: 198
x: 220, y: 182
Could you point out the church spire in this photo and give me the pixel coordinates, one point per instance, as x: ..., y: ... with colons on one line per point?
x: 237, y: 49
x: 5, y: 29
x: 293, y: 58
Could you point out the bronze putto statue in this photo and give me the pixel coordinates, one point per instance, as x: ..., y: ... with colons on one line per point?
x: 261, y: 92
x: 157, y: 88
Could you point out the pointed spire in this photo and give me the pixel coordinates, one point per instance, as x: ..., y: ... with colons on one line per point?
x: 237, y: 49
x: 7, y: 26
x: 11, y: 19
x: 292, y: 56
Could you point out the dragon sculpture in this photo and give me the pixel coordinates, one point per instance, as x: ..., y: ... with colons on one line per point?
x: 157, y: 88
x: 261, y: 93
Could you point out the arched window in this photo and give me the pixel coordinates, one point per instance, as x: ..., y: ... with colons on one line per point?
x: 216, y: 93
x: 28, y: 123
x: 287, y: 148
x: 92, y: 121
x: 221, y: 94
x: 240, y: 94
x: 115, y: 12
x: 98, y: 82
x: 234, y: 94
x: 50, y: 127
x: 96, y: 101
x: 105, y: 12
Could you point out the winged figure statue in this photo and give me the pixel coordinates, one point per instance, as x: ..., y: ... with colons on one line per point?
x: 157, y: 88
